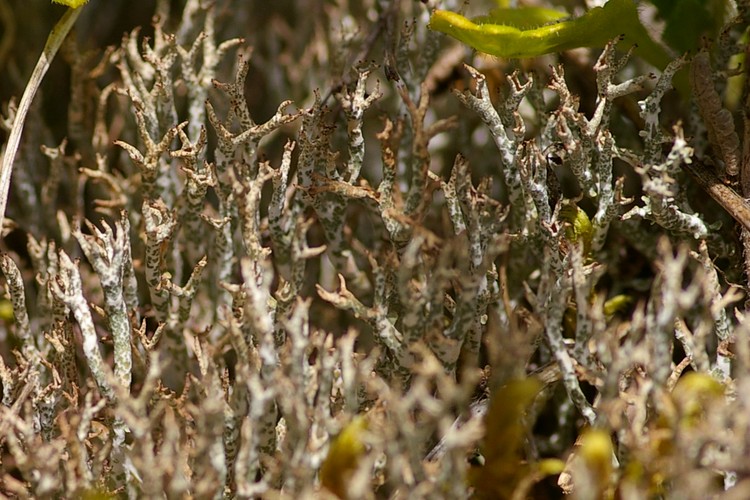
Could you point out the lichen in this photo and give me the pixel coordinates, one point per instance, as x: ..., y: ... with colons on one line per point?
x: 267, y: 252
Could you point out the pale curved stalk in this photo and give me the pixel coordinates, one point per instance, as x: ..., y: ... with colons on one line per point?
x: 54, y: 41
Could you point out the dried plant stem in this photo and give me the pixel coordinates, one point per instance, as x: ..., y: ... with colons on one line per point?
x: 733, y: 203
x: 54, y: 41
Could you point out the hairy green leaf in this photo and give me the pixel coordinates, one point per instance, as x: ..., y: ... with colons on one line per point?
x: 515, y: 33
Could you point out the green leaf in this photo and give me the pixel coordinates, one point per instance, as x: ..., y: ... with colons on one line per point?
x: 343, y: 457
x: 502, y: 446
x: 523, y: 19
x: 506, y: 33
x: 578, y: 226
x: 617, y: 304
x: 73, y: 4
x: 687, y: 21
